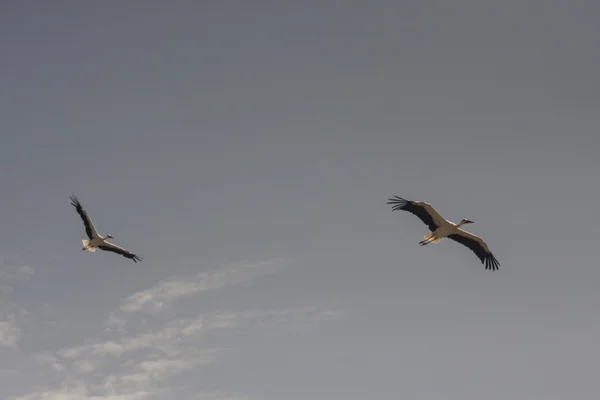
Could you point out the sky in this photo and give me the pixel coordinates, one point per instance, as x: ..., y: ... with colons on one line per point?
x: 246, y: 150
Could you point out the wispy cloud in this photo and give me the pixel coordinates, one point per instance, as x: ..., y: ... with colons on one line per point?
x: 47, y: 359
x: 9, y: 332
x: 149, y: 375
x: 79, y: 391
x: 147, y: 360
x: 161, y: 295
x: 12, y: 272
x: 222, y: 396
x: 177, y: 331
x: 138, y: 362
x: 10, y: 313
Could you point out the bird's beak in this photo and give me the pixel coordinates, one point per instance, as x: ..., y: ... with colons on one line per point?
x: 469, y: 221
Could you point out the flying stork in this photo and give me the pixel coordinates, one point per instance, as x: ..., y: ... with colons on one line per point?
x: 441, y: 228
x: 95, y: 240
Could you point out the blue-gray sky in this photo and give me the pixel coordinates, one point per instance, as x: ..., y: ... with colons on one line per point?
x: 246, y: 149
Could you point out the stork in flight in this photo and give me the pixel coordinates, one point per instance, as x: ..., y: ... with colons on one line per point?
x: 95, y: 240
x: 441, y: 228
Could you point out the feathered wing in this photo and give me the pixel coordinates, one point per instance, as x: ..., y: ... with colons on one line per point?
x: 107, y: 246
x: 478, y: 246
x: 424, y: 211
x: 90, y: 230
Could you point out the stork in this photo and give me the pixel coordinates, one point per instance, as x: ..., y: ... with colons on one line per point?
x: 96, y: 241
x: 441, y: 228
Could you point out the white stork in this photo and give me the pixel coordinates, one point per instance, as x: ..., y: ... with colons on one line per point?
x: 441, y: 228
x: 95, y: 240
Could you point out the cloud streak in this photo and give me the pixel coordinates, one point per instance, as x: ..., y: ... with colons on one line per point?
x: 177, y: 331
x: 138, y: 363
x: 156, y: 298
x: 16, y: 272
x: 10, y: 313
x: 9, y: 332
x: 222, y: 396
x: 146, y: 361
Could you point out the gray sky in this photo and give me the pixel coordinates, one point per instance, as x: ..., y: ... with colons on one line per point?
x: 247, y: 150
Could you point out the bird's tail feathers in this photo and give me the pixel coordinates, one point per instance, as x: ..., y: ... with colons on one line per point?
x: 86, y: 244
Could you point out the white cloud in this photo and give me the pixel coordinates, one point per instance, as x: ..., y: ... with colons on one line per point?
x: 147, y: 376
x: 138, y: 360
x: 161, y: 368
x: 9, y: 373
x: 144, y: 362
x: 10, y: 317
x: 50, y: 360
x: 161, y: 295
x: 17, y: 272
x: 80, y: 391
x: 170, y: 336
x: 222, y: 396
x: 84, y: 367
x: 10, y: 313
x: 9, y: 333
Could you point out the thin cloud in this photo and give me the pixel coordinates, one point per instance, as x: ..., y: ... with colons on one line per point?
x: 149, y: 375
x: 11, y: 314
x: 46, y: 359
x: 16, y: 272
x: 177, y: 331
x: 80, y: 391
x: 161, y: 295
x: 223, y: 396
x: 9, y: 332
x: 159, y: 369
x: 145, y: 362
x: 138, y: 363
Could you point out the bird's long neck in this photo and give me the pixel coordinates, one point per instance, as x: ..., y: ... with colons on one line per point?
x: 461, y: 223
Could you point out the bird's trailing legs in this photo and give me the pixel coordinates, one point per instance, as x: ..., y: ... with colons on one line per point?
x: 86, y: 246
x: 429, y: 238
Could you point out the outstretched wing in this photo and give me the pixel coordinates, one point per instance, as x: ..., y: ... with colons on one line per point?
x: 478, y: 246
x: 107, y: 246
x: 424, y: 211
x: 90, y: 230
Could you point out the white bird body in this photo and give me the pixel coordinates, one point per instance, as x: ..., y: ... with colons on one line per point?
x: 97, y: 241
x: 441, y: 228
x: 92, y: 245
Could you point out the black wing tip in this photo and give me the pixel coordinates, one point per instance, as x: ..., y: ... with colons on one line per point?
x: 75, y: 201
x: 396, y: 199
x: 397, y: 202
x: 491, y: 262
x: 134, y: 257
